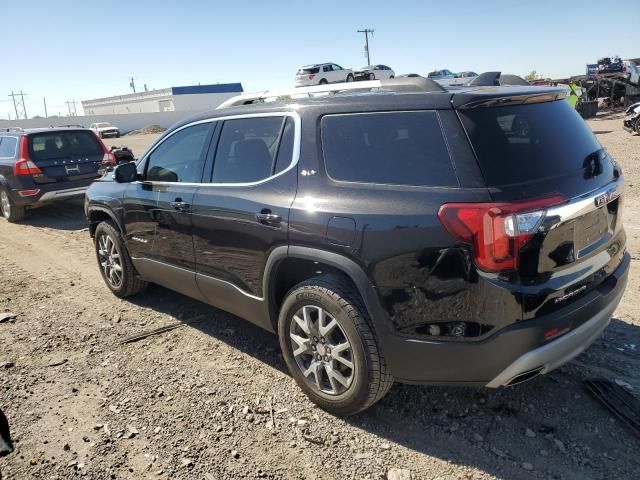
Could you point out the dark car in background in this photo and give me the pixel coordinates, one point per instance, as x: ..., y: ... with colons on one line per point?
x: 412, y: 234
x: 42, y: 165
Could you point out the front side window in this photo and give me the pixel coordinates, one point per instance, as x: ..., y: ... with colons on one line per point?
x: 8, y: 147
x: 336, y: 67
x: 179, y: 158
x: 253, y: 149
x: 398, y: 148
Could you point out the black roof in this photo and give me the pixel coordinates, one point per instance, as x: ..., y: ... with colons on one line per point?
x: 17, y: 131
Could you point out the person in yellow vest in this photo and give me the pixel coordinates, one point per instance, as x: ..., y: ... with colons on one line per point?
x: 573, y: 97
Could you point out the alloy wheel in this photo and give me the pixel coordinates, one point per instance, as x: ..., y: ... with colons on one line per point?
x: 322, y: 350
x: 109, y: 259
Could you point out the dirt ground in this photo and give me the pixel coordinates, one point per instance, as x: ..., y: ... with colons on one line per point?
x: 212, y: 400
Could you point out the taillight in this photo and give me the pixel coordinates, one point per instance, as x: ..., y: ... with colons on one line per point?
x: 109, y: 157
x: 24, y: 165
x: 496, y: 231
x: 311, y: 77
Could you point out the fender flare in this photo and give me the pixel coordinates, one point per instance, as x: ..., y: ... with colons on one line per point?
x: 109, y: 212
x: 377, y: 314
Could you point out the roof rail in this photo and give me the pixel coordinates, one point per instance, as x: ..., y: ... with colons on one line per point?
x: 12, y: 129
x: 411, y: 84
x: 495, y: 79
x: 71, y: 125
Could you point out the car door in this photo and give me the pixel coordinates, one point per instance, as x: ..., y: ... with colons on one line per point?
x: 338, y: 73
x: 243, y: 214
x: 157, y: 209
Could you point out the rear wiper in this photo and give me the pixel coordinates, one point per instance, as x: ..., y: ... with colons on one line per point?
x: 592, y: 164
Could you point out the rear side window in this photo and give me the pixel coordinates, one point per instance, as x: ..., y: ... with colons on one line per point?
x: 8, y: 147
x: 400, y: 148
x: 52, y: 145
x: 525, y: 143
x: 310, y: 70
x: 253, y: 149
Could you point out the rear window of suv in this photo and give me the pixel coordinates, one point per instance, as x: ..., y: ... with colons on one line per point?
x: 394, y: 148
x: 528, y: 143
x: 50, y: 145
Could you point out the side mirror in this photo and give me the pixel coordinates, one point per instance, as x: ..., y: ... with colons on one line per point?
x: 126, y: 172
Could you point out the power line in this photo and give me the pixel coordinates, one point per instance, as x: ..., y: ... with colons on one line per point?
x: 18, y: 104
x: 71, y: 105
x: 366, y: 32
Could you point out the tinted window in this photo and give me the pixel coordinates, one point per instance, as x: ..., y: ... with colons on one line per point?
x: 179, y: 157
x: 8, y: 146
x: 49, y: 146
x: 524, y: 143
x: 247, y: 150
x: 403, y: 148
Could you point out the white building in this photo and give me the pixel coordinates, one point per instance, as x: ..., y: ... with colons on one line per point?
x: 173, y: 99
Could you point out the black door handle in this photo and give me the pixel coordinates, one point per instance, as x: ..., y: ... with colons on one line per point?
x: 268, y: 218
x: 180, y: 206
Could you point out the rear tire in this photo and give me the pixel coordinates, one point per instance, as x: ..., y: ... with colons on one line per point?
x: 10, y: 211
x: 115, y: 264
x: 324, y: 354
x: 323, y: 82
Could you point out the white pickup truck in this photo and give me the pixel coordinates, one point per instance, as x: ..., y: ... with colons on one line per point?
x: 105, y: 129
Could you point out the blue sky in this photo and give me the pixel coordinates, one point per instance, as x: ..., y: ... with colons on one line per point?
x: 75, y: 50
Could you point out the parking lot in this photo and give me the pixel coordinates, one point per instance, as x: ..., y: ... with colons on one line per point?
x: 213, y: 400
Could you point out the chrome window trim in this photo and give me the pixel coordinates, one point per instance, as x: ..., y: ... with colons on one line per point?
x: 294, y: 160
x: 583, y: 204
x: 15, y: 148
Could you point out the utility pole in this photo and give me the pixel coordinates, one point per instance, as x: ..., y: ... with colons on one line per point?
x: 44, y: 99
x: 366, y: 32
x: 18, y: 104
x: 71, y: 105
x: 132, y: 85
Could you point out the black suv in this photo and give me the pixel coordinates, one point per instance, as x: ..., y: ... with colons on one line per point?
x: 42, y: 165
x: 467, y: 237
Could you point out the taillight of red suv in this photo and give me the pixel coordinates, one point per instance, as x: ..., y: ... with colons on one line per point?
x: 496, y: 231
x: 24, y: 165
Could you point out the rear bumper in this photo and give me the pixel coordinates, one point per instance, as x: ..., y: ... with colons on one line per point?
x: 514, y: 350
x: 51, y: 193
x: 558, y: 352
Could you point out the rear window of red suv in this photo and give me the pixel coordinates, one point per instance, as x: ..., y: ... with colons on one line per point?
x: 392, y: 148
x: 51, y: 145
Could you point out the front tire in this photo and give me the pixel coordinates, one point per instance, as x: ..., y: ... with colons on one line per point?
x: 330, y: 348
x: 10, y: 211
x: 349, y: 78
x: 114, y: 262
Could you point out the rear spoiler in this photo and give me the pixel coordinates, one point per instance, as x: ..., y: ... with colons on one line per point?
x: 496, y: 79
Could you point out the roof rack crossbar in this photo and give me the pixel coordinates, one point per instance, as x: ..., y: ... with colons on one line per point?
x: 419, y: 84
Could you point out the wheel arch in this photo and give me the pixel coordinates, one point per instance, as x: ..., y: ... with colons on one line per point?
x: 97, y: 214
x: 286, y: 267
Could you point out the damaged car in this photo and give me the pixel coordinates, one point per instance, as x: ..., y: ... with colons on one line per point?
x: 632, y: 118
